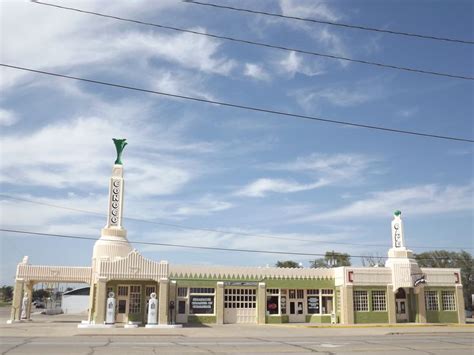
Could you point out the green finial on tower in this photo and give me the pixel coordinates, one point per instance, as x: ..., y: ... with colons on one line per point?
x: 397, y: 213
x: 119, y: 145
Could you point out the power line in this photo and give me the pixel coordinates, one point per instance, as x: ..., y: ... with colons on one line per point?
x: 243, y: 107
x: 186, y: 227
x: 261, y: 44
x: 67, y: 236
x: 332, y: 23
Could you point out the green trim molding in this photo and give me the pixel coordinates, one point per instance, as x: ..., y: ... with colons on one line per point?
x: 297, y: 283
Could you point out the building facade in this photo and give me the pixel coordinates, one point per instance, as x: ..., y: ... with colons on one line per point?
x: 398, y: 292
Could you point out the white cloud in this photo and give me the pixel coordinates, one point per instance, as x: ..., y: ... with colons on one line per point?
x: 181, y: 83
x: 341, y: 95
x: 308, y: 9
x: 76, y: 40
x: 324, y: 169
x: 190, y: 51
x: 293, y: 63
x: 71, y: 153
x: 417, y: 200
x: 202, y: 207
x: 255, y: 239
x: 42, y: 217
x: 261, y: 187
x: 408, y: 112
x: 332, y: 166
x: 8, y: 117
x: 256, y: 71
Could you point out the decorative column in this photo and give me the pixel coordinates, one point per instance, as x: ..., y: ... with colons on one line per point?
x: 163, y: 302
x: 16, y: 302
x: 261, y: 303
x: 172, y: 297
x: 392, y: 315
x: 100, y: 300
x: 421, y: 305
x: 220, y: 303
x: 460, y: 304
x: 91, y: 302
x: 347, y: 305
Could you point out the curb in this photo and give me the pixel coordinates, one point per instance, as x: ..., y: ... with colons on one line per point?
x: 359, y: 326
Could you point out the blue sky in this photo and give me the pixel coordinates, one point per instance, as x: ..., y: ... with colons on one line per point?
x: 309, y: 184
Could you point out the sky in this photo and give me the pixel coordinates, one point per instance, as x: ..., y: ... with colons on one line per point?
x: 284, y: 183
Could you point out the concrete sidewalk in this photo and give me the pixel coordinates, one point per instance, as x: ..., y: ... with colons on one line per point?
x: 66, y: 325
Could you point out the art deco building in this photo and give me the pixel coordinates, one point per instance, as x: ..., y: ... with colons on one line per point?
x: 398, y: 292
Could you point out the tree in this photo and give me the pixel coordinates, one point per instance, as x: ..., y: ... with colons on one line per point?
x: 40, y: 294
x: 287, y: 263
x: 452, y: 259
x: 332, y: 259
x: 6, y: 293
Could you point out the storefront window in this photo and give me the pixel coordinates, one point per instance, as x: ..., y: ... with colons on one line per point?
x: 313, y: 304
x: 201, y: 300
x: 272, y: 304
x: 431, y: 300
x: 448, y: 300
x: 379, y: 302
x: 135, y: 296
x: 326, y: 305
x: 273, y: 298
x: 361, y: 303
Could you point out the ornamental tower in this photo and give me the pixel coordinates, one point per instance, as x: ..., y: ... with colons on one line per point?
x: 113, y: 243
x: 405, y: 269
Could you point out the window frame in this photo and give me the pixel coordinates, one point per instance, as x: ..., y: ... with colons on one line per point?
x: 357, y: 299
x: 452, y: 298
x: 431, y: 295
x: 374, y: 298
x: 200, y: 291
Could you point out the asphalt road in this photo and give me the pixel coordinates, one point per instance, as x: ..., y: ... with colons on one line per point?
x: 459, y: 343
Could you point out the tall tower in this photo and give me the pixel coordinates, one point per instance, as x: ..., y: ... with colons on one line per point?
x: 405, y: 269
x: 113, y: 243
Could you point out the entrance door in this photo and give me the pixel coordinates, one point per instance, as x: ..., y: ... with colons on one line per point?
x: 402, y: 315
x: 240, y: 305
x: 122, y: 304
x: 401, y: 305
x: 296, y: 306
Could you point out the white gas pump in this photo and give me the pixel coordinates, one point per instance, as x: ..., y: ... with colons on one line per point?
x: 24, y: 306
x: 110, y: 316
x: 152, y: 309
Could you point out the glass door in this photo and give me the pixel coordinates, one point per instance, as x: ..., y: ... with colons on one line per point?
x: 122, y: 304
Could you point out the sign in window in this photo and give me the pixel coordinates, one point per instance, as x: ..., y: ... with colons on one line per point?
x: 201, y: 305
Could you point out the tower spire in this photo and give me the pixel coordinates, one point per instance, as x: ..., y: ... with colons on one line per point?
x: 114, y: 217
x: 113, y: 242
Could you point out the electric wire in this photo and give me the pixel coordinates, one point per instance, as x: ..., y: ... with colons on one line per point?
x: 332, y: 23
x: 172, y: 245
x: 213, y: 230
x: 261, y: 44
x: 244, y: 107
